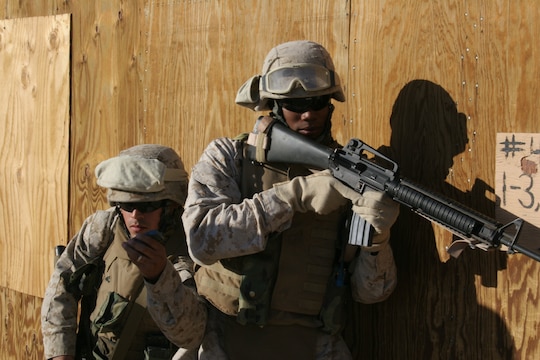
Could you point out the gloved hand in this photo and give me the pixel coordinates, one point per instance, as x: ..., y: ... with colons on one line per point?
x: 379, y: 210
x: 320, y: 192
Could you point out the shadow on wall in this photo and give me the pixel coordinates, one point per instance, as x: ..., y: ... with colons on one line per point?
x: 433, y: 313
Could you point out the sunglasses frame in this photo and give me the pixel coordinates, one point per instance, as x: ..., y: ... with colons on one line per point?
x: 302, y: 105
x: 143, y: 206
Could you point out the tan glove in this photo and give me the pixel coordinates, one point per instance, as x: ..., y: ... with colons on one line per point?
x: 320, y: 193
x: 379, y: 210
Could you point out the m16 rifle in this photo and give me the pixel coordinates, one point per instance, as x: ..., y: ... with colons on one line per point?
x: 360, y: 167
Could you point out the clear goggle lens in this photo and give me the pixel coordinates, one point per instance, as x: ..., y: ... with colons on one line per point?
x: 310, y: 77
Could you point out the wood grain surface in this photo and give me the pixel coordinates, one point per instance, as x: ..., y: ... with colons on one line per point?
x: 34, y: 147
x: 430, y: 82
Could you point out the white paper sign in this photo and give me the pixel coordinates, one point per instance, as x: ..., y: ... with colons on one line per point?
x: 517, y: 181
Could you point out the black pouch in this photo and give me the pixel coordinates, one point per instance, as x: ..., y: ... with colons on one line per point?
x: 85, y: 280
x: 83, y: 283
x: 259, y: 274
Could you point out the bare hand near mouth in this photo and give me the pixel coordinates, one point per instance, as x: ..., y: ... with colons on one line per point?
x: 148, y: 254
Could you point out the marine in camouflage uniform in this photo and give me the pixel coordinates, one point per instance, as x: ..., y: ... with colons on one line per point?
x: 272, y: 239
x: 134, y: 286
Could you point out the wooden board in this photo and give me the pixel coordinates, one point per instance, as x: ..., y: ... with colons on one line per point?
x: 167, y: 71
x: 20, y: 328
x: 34, y: 148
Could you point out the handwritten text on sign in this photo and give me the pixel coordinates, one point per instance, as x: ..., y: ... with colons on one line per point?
x: 517, y: 181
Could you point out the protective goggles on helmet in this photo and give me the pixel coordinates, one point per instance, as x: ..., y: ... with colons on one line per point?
x: 143, y: 207
x: 311, y: 77
x: 301, y: 105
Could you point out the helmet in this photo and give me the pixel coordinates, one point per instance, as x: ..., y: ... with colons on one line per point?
x: 144, y: 173
x: 295, y: 69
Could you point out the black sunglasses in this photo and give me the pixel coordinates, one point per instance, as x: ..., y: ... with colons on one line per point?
x: 144, y: 207
x: 302, y: 105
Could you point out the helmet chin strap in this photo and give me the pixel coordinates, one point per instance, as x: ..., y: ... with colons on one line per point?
x: 277, y: 113
x: 124, y: 225
x: 326, y: 134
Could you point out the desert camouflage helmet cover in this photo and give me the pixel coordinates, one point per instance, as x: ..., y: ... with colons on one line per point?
x: 294, y: 69
x: 142, y: 173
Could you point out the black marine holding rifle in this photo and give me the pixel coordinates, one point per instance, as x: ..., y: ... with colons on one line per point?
x: 272, y: 239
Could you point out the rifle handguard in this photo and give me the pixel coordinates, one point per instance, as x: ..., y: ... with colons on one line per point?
x: 352, y: 166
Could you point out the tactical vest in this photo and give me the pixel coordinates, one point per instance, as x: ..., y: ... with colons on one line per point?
x: 291, y: 276
x: 119, y: 322
x: 118, y: 297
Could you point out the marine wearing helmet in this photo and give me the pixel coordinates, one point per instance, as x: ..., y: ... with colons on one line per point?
x: 144, y: 173
x: 116, y: 287
x: 300, y: 74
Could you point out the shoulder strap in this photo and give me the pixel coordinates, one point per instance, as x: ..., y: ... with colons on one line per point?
x: 136, y: 309
x: 85, y: 282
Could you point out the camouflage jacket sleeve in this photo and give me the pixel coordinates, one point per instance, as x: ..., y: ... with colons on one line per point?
x: 373, y: 276
x: 59, y: 308
x: 175, y: 305
x: 219, y: 223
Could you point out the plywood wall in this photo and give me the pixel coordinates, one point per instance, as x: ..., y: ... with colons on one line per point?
x: 34, y: 144
x: 449, y: 74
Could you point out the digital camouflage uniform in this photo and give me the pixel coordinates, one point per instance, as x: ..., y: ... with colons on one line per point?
x: 215, y: 199
x: 173, y: 306
x: 225, y: 223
